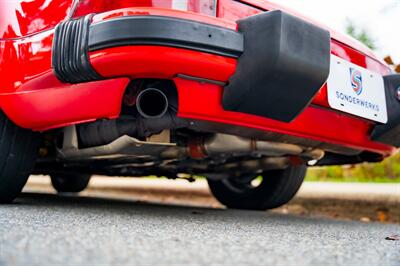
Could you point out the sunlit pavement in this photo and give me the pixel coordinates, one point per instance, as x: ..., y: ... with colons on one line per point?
x: 387, y: 192
x: 344, y: 201
x: 119, y: 225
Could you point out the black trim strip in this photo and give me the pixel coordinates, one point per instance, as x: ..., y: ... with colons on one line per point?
x: 216, y: 82
x: 70, y: 58
x: 167, y: 31
x: 250, y: 5
x: 73, y: 39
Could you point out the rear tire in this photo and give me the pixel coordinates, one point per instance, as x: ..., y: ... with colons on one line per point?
x: 276, y: 188
x: 18, y: 153
x: 73, y: 183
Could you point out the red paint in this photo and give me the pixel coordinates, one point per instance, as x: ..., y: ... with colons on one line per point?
x: 340, y: 37
x: 63, y: 104
x: 99, y: 6
x: 164, y: 12
x: 22, y: 17
x: 314, y: 123
x: 233, y: 10
x: 33, y: 98
x: 160, y: 62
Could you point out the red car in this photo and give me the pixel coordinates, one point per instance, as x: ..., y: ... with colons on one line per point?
x: 243, y: 92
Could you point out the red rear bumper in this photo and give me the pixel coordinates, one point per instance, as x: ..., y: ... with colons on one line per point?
x: 36, y: 99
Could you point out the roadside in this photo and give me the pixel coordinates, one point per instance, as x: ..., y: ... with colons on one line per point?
x: 345, y: 201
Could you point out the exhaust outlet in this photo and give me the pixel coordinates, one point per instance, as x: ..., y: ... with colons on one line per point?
x: 152, y: 103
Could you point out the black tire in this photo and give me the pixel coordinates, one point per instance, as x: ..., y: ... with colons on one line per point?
x: 276, y: 188
x: 18, y: 153
x: 73, y: 183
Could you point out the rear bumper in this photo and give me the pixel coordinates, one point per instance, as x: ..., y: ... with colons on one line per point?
x: 80, y: 37
x: 314, y: 127
x: 93, y: 70
x: 283, y: 61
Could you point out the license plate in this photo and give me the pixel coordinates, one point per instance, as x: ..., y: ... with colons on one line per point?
x: 356, y: 90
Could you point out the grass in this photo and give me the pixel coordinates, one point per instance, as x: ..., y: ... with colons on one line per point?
x: 387, y: 171
x: 352, y: 179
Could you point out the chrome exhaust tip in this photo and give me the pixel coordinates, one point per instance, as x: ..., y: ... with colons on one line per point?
x: 152, y: 103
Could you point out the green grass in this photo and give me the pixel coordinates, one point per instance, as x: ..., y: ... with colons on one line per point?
x: 352, y: 179
x: 387, y: 171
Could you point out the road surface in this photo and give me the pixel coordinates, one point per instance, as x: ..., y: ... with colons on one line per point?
x: 46, y: 229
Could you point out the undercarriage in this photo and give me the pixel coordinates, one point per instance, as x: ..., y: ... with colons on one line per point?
x: 149, y: 139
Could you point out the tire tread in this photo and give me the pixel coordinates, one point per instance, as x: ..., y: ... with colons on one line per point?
x: 18, y: 149
x: 277, y: 188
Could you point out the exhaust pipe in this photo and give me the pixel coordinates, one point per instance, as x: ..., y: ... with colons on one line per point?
x: 222, y: 144
x: 156, y: 112
x: 152, y: 103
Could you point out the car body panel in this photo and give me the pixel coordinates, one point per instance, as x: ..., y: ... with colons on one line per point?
x: 19, y: 18
x: 340, y: 37
x: 33, y: 98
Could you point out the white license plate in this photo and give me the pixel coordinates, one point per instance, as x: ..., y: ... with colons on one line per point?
x: 356, y: 90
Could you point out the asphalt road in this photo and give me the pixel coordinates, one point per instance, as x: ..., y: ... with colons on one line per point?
x: 45, y: 229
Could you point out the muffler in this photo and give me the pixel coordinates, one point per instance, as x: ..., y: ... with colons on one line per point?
x: 231, y: 145
x: 198, y: 148
x: 152, y: 103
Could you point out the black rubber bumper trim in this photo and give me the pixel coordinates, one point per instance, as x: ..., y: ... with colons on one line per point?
x: 285, y: 62
x: 70, y: 59
x: 389, y: 133
x: 166, y: 31
x: 73, y: 40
